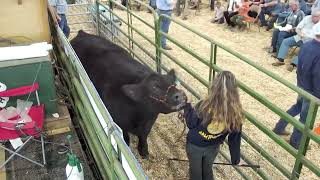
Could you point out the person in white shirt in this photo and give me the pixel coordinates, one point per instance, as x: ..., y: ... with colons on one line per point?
x: 304, y: 32
x: 219, y: 9
x: 165, y: 7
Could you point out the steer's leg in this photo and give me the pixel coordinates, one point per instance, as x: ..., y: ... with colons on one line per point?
x: 126, y: 137
x: 143, y: 146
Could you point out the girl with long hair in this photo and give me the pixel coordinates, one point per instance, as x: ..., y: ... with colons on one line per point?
x: 209, y: 122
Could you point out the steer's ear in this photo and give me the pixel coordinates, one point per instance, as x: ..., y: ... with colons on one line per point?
x: 132, y: 91
x: 172, y: 75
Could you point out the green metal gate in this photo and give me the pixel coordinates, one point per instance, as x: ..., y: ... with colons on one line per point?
x: 147, y: 49
x: 112, y: 156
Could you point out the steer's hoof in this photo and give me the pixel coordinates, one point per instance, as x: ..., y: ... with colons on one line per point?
x: 145, y: 156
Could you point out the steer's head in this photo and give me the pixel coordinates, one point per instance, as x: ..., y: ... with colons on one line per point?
x: 157, y: 92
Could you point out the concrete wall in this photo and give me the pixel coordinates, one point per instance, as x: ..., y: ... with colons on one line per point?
x: 28, y: 19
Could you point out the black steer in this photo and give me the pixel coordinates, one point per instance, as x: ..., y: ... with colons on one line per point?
x: 133, y: 93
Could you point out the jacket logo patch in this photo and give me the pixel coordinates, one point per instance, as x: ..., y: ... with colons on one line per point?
x: 215, y: 127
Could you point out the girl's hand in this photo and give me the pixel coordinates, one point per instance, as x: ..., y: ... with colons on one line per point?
x: 58, y: 18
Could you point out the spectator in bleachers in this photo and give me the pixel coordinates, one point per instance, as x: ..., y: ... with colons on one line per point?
x: 316, y: 4
x: 280, y: 17
x: 233, y: 7
x: 243, y: 13
x: 304, y: 8
x: 219, y: 9
x: 304, y: 33
x: 292, y: 21
x: 269, y: 7
x: 310, y: 4
x: 308, y: 78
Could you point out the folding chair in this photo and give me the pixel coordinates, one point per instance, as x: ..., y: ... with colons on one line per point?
x: 250, y: 20
x: 11, y: 129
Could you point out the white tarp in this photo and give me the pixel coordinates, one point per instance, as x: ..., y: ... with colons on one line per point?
x: 24, y: 52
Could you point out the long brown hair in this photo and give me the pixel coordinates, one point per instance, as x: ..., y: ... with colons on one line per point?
x: 222, y: 103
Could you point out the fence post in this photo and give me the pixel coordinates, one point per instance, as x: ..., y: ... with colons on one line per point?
x: 305, y: 139
x: 130, y: 33
x: 111, y: 20
x: 213, y: 58
x: 158, y: 42
x: 98, y: 17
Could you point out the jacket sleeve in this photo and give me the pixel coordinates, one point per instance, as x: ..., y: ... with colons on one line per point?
x: 192, y: 120
x: 316, y: 78
x: 234, y: 141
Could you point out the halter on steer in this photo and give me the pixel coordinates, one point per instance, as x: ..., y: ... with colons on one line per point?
x: 164, y: 98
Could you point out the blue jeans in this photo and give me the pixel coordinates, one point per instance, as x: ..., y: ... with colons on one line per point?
x: 285, y: 45
x: 63, y: 24
x: 269, y: 11
x: 152, y: 3
x: 278, y: 37
x: 295, y: 60
x: 301, y: 107
x: 164, y: 24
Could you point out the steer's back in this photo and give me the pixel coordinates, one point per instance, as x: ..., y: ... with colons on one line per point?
x: 106, y: 62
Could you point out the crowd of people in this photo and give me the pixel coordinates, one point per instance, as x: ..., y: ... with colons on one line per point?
x: 292, y: 22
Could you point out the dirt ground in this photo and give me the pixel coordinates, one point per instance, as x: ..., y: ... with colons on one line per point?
x: 163, y: 140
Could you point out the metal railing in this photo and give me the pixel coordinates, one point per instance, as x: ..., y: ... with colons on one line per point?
x: 211, y: 62
x: 104, y: 137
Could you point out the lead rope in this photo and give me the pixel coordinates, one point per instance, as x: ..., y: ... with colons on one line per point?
x: 181, y: 118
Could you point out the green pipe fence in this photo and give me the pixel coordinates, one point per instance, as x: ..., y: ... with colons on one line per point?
x: 96, y: 123
x: 212, y: 66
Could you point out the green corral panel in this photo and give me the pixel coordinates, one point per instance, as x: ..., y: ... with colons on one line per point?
x: 21, y: 72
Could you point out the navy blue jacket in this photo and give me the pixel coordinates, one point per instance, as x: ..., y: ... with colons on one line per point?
x: 199, y: 135
x: 308, y: 71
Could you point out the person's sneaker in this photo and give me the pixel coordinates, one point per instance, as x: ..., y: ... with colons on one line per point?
x: 271, y: 50
x: 278, y: 63
x: 283, y: 133
x: 263, y: 24
x: 268, y: 28
x: 266, y: 48
x: 290, y: 67
x: 274, y: 55
x: 166, y: 47
x: 296, y: 146
x: 231, y: 28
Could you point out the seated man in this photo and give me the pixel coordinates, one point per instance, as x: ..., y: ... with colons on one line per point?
x: 243, y: 13
x: 303, y: 7
x: 288, y: 30
x: 270, y: 7
x: 285, y: 10
x: 233, y: 7
x: 316, y: 4
x: 304, y: 33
